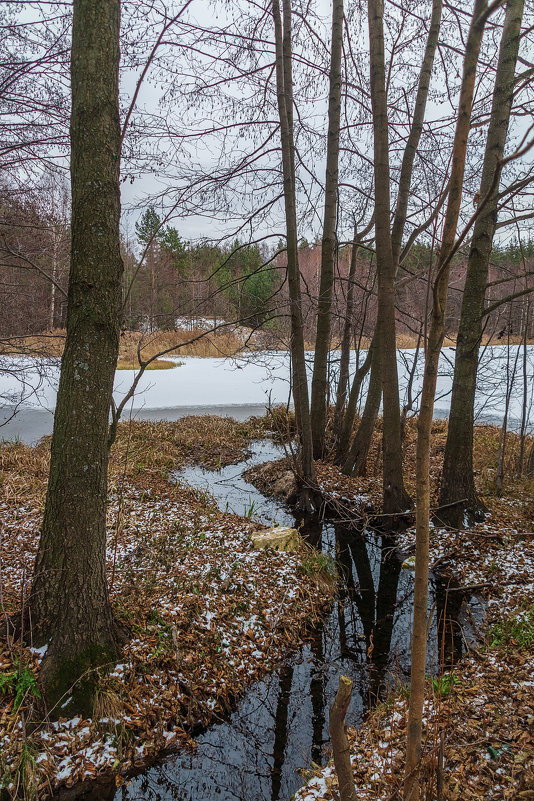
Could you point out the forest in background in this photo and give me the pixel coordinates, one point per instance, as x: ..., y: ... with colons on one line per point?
x: 171, y: 284
x: 396, y: 135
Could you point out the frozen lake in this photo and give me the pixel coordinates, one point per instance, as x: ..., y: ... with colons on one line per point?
x: 240, y: 388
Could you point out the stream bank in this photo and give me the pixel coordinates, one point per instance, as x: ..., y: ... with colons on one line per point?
x: 244, y: 761
x: 280, y: 728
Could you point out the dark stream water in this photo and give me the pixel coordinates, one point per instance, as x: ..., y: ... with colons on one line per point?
x: 281, y: 724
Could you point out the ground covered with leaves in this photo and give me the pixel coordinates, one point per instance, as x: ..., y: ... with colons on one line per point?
x: 208, y: 613
x: 479, y: 715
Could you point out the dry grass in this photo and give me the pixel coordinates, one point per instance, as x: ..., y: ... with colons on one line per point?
x: 159, y: 364
x: 24, y: 473
x: 157, y: 447
x: 154, y: 448
x: 149, y: 449
x: 193, y: 343
x: 48, y: 345
x: 175, y: 343
x: 179, y: 343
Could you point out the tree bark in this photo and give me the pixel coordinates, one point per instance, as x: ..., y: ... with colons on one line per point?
x: 284, y: 87
x: 395, y: 498
x: 344, y: 359
x: 70, y: 607
x: 344, y: 435
x: 391, y: 241
x: 424, y: 427
x: 356, y: 459
x: 416, y: 129
x: 457, y: 480
x: 339, y: 740
x: 319, y: 389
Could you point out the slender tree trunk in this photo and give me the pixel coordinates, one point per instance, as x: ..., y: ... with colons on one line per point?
x: 391, y: 241
x: 510, y: 380
x: 343, y: 438
x: 285, y: 108
x: 409, y: 389
x: 457, y: 480
x: 340, y: 743
x: 344, y: 360
x: 416, y: 129
x: 328, y: 249
x: 524, y: 406
x: 424, y: 427
x: 70, y: 608
x: 395, y: 498
x: 356, y: 460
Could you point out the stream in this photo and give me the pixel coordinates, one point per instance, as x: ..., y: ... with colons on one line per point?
x: 281, y: 724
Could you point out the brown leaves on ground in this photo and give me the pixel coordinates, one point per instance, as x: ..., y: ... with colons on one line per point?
x: 208, y: 613
x: 484, y: 723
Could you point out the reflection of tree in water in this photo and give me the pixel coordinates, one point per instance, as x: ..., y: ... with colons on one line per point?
x: 281, y: 724
x: 375, y: 608
x: 449, y: 601
x: 318, y: 698
x: 281, y: 730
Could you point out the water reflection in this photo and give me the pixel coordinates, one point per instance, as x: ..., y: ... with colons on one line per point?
x: 281, y: 725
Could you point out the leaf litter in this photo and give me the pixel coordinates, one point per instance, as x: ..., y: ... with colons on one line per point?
x: 479, y: 716
x: 208, y: 613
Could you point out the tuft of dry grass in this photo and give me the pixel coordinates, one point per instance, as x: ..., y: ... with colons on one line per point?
x: 157, y: 447
x: 24, y: 473
x: 159, y: 364
x: 179, y: 343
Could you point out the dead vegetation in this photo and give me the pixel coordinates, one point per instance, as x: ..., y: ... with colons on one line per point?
x: 207, y: 612
x: 197, y: 342
x: 181, y: 573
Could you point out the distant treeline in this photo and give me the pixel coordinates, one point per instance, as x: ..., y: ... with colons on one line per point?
x: 167, y: 279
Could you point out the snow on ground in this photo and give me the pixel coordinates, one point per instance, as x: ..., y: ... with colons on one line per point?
x: 208, y: 615
x: 263, y: 377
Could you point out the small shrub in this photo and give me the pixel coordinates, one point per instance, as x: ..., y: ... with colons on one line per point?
x: 518, y: 629
x: 20, y: 682
x: 442, y: 685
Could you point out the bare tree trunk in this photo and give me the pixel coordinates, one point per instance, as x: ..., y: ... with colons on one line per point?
x: 416, y: 129
x: 524, y: 406
x: 344, y: 435
x: 343, y: 438
x: 395, y: 498
x: 457, y: 481
x: 356, y: 460
x: 340, y: 743
x: 424, y: 427
x: 70, y: 606
x: 324, y: 307
x: 344, y: 360
x: 501, y: 451
x: 408, y: 406
x: 285, y: 108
